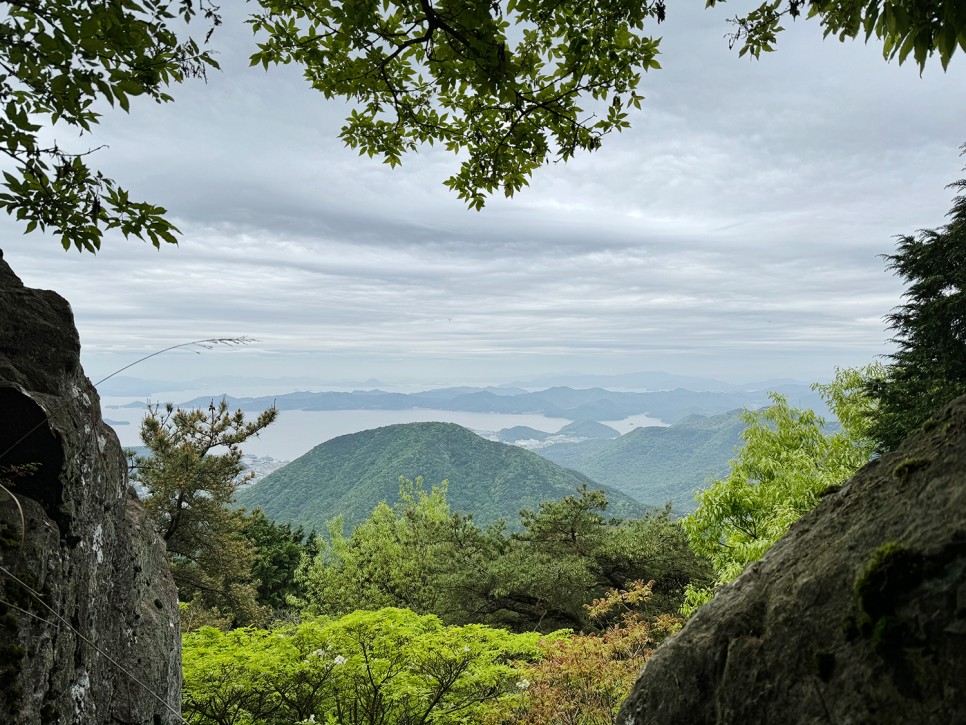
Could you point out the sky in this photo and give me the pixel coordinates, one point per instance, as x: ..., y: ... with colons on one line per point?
x: 734, y: 232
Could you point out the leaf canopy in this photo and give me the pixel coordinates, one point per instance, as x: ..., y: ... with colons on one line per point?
x: 61, y: 59
x: 508, y: 86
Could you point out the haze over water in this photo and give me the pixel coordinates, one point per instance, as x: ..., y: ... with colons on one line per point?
x: 298, y: 431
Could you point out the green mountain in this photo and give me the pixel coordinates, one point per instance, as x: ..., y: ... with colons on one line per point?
x: 656, y: 465
x: 520, y: 433
x: 349, y: 475
x: 588, y: 429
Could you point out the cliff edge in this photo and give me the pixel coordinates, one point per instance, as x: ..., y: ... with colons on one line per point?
x: 88, y: 610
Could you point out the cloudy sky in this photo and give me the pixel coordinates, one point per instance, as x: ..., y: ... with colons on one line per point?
x: 733, y: 232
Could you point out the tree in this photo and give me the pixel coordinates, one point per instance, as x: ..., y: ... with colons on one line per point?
x: 904, y: 26
x: 190, y: 492
x: 455, y: 73
x: 58, y: 58
x: 426, y: 558
x: 387, y: 666
x: 395, y: 558
x: 929, y: 368
x: 578, y: 554
x: 584, y: 678
x: 786, y: 462
x: 278, y: 550
x: 509, y: 84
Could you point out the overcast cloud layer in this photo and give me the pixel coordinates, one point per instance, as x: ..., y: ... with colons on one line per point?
x: 733, y: 232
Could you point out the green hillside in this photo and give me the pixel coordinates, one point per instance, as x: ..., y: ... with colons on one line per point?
x: 656, y: 465
x: 589, y: 429
x: 349, y: 475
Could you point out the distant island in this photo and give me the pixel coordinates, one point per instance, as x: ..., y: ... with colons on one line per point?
x: 575, y: 404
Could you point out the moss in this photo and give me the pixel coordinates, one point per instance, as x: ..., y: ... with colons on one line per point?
x: 891, y: 569
x: 824, y: 665
x: 929, y: 425
x: 906, y: 468
x: 891, y: 572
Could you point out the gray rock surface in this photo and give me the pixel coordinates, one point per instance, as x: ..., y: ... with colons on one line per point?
x: 858, y: 615
x: 86, y: 559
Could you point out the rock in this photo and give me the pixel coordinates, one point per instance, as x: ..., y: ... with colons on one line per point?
x: 857, y: 615
x: 88, y: 610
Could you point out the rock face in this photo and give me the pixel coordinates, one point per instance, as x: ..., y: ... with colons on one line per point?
x: 858, y: 615
x: 88, y: 609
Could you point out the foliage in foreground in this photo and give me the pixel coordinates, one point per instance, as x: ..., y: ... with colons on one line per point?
x: 508, y: 85
x: 505, y: 85
x: 787, y: 461
x: 393, y: 666
x: 389, y: 666
x: 905, y: 27
x: 60, y: 60
x: 583, y: 678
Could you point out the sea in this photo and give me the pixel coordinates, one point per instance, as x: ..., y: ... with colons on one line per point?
x: 296, y: 432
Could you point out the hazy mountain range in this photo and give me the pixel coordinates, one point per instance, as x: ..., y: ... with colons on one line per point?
x: 646, y: 467
x: 586, y: 404
x: 657, y: 465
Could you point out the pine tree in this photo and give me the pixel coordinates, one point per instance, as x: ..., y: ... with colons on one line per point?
x: 190, y: 491
x: 929, y: 367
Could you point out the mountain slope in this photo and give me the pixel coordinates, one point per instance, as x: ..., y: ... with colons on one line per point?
x: 657, y: 465
x: 349, y: 475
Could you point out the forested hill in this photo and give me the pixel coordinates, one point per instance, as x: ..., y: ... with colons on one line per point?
x: 657, y: 465
x: 349, y: 475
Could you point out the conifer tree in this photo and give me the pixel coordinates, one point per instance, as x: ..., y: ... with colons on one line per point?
x: 190, y: 490
x: 929, y: 367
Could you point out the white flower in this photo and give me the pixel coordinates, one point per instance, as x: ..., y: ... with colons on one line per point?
x: 523, y: 684
x: 319, y: 653
x: 466, y: 648
x: 339, y: 660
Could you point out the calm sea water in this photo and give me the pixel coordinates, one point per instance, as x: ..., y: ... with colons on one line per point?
x: 298, y: 431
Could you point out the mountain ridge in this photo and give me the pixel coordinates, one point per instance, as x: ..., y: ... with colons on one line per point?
x: 656, y: 465
x: 593, y: 404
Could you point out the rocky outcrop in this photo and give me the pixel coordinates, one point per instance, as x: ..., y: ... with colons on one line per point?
x: 858, y: 615
x: 88, y: 609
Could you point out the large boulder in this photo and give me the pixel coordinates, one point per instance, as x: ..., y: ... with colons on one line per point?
x: 88, y: 610
x: 857, y: 615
